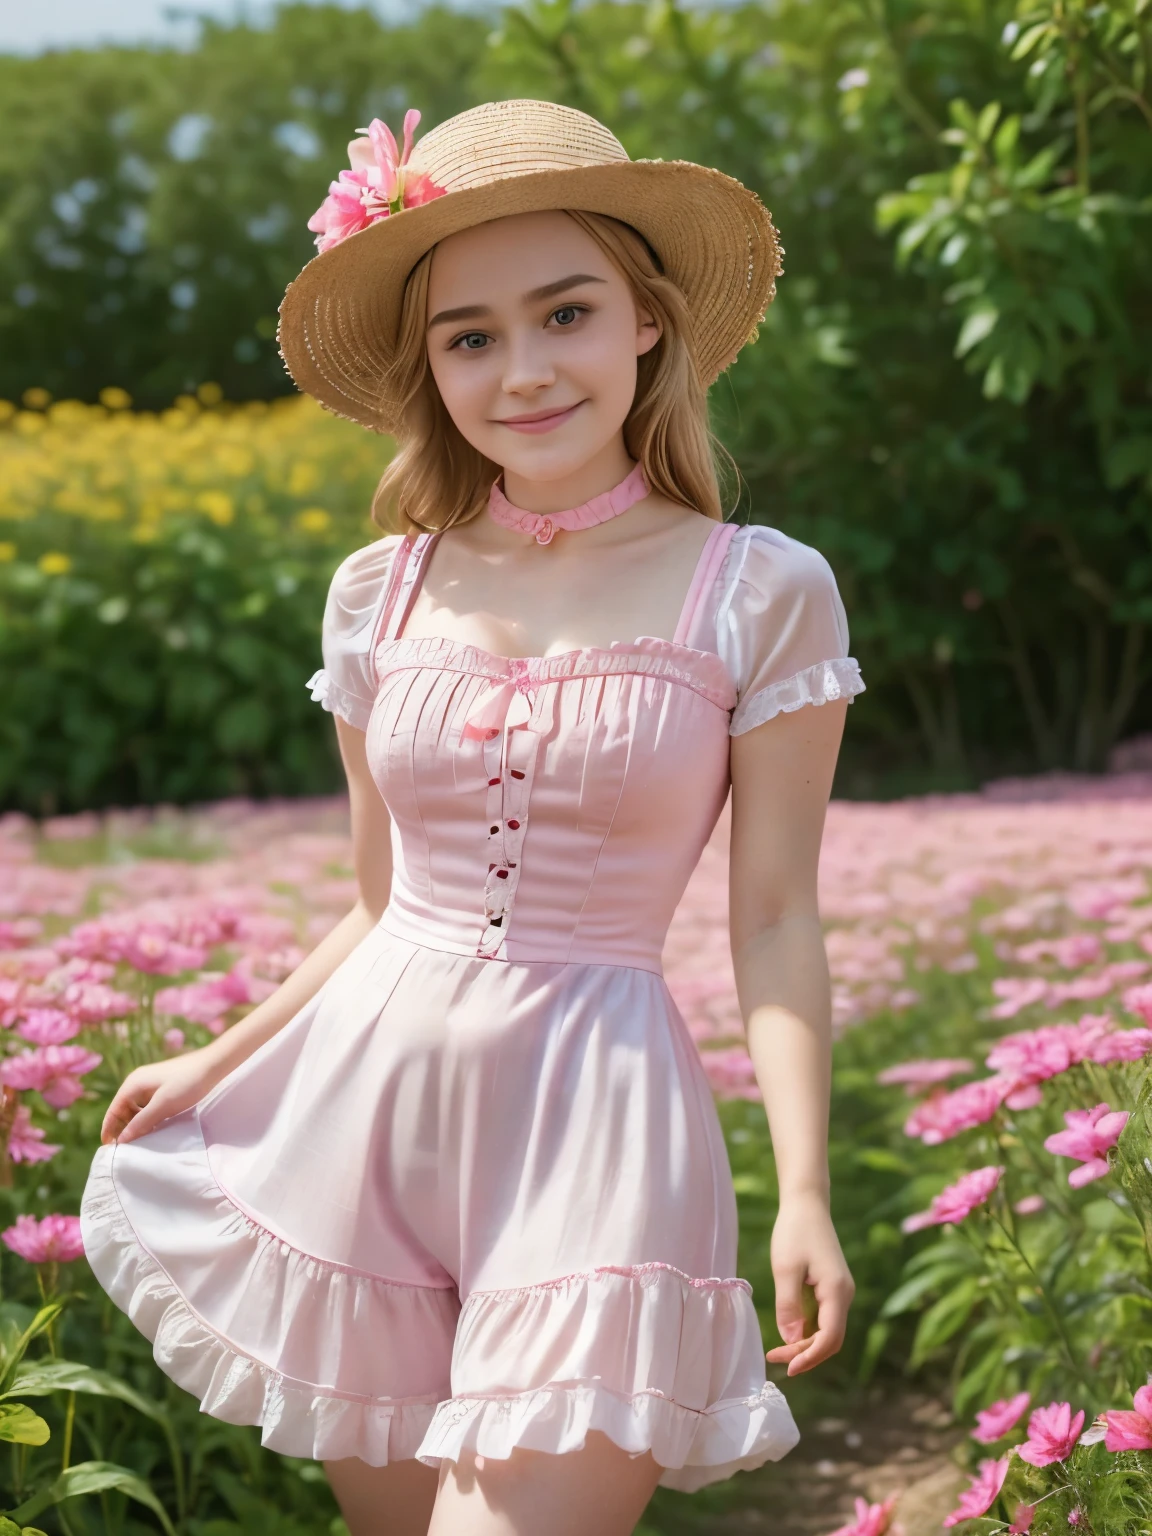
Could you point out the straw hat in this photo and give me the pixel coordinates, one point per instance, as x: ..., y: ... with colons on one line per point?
x: 340, y: 318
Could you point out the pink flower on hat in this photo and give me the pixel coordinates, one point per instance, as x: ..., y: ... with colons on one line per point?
x: 378, y: 184
x: 1090, y: 1133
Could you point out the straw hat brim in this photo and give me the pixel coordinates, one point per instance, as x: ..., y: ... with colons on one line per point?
x: 340, y: 318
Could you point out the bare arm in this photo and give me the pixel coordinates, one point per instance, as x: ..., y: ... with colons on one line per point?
x: 781, y: 779
x: 160, y: 1090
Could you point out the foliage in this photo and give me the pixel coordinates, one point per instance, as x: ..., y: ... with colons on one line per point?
x: 950, y: 397
x: 162, y: 580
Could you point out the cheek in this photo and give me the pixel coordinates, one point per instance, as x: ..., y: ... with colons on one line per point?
x: 464, y: 387
x: 604, y: 362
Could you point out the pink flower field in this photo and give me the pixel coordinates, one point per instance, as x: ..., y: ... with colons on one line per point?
x: 991, y: 961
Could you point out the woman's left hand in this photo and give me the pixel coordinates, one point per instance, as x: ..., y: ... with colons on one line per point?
x: 806, y: 1252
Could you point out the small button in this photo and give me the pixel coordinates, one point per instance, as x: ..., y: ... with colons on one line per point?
x: 514, y: 825
x: 501, y: 874
x: 492, y: 783
x: 516, y: 774
x: 493, y: 829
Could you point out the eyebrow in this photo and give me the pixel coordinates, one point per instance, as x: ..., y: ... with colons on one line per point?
x: 548, y: 291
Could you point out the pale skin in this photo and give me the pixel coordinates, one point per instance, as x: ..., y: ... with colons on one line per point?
x: 528, y: 318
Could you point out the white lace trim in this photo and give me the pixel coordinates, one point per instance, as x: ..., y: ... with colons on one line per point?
x: 338, y: 701
x: 820, y: 684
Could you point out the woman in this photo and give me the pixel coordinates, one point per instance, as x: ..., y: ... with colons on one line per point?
x: 456, y: 1195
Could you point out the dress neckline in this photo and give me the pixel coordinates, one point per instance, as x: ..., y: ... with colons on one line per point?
x: 411, y: 562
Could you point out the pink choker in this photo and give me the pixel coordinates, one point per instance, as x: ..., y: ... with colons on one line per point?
x: 608, y: 504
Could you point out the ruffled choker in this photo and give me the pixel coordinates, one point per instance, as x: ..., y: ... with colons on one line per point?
x: 543, y: 526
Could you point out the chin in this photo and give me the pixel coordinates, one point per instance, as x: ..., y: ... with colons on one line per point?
x: 543, y: 461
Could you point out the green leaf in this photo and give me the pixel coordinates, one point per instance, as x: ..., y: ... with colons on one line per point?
x: 43, y: 1377
x: 987, y: 121
x: 14, y: 1353
x: 94, y: 1477
x: 1128, y: 459
x: 1028, y: 40
x: 945, y: 1319
x: 21, y: 1425
x: 979, y: 324
x: 905, y: 1297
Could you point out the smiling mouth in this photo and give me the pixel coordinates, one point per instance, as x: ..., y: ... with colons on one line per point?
x: 540, y: 421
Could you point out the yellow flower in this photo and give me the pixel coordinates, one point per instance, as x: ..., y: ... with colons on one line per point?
x: 7, y: 552
x: 53, y: 563
x: 36, y: 399
x: 313, y: 520
x: 7, y: 410
x: 210, y: 394
x: 218, y: 506
x: 115, y: 399
x: 302, y: 478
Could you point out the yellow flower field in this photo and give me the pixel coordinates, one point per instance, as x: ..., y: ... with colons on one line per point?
x: 286, y: 462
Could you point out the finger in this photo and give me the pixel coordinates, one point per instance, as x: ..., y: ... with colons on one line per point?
x: 820, y: 1347
x: 152, y: 1114
x: 828, y: 1338
x: 121, y: 1110
x: 790, y: 1319
x: 785, y: 1352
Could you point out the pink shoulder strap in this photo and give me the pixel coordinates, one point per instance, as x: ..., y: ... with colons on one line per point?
x: 407, y: 568
x: 707, y: 569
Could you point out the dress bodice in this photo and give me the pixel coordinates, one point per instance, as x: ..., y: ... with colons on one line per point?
x: 552, y: 809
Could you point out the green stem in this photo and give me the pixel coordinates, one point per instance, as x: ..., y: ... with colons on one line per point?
x: 69, y: 1423
x: 1046, y: 1301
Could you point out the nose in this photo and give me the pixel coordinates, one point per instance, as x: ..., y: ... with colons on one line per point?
x: 527, y: 366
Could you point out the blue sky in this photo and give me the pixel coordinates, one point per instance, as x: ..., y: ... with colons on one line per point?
x: 31, y: 27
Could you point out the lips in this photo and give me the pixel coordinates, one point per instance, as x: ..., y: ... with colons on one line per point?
x: 540, y: 421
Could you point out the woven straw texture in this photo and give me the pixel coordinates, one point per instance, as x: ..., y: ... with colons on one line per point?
x: 339, y: 319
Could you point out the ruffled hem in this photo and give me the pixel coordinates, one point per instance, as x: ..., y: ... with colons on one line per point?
x: 338, y: 701
x: 819, y: 684
x: 696, y: 1448
x: 297, y: 1418
x: 658, y: 1360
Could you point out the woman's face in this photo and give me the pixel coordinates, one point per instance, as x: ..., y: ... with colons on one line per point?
x: 533, y: 337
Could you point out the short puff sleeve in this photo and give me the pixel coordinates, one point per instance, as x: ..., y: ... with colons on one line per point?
x: 346, y: 685
x: 781, y: 629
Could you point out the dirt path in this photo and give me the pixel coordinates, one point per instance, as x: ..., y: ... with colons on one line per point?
x: 886, y: 1443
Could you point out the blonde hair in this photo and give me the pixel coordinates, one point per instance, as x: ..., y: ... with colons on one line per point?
x: 437, y: 479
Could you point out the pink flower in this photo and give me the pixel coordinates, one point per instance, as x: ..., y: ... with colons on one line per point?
x: 173, y: 1039
x: 917, y: 1075
x: 1000, y: 1417
x: 1029, y: 1205
x: 48, y: 1026
x: 958, y: 1200
x: 944, y: 1115
x: 1138, y: 1000
x: 93, y: 1003
x: 1128, y: 1431
x: 1032, y: 1056
x: 1090, y: 1133
x: 1052, y: 1433
x: 1075, y: 1517
x: 378, y: 184
x: 871, y: 1519
x: 730, y: 1073
x: 1018, y: 992
x: 53, y: 1071
x: 983, y: 1491
x: 206, y: 1000
x: 26, y: 1142
x: 56, y: 1239
x: 1022, y: 1520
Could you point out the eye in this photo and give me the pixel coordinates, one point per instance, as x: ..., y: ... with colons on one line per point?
x: 471, y: 341
x: 568, y: 314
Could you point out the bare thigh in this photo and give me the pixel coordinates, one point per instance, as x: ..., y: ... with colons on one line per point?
x: 383, y: 1501
x: 597, y: 1491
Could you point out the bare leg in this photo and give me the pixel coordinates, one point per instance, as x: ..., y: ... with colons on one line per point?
x: 597, y: 1491
x: 383, y: 1501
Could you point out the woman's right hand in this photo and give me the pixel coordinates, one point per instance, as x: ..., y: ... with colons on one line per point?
x: 154, y: 1093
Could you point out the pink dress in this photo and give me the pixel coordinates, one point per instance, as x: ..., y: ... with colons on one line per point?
x: 475, y: 1194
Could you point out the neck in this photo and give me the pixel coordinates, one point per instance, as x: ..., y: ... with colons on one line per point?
x: 601, y: 473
